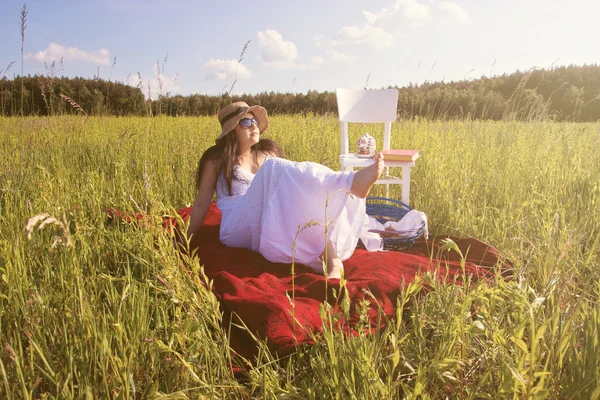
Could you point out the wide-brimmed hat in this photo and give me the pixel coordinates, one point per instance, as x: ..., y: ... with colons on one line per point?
x: 231, y: 114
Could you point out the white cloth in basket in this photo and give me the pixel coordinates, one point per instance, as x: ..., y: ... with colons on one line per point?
x: 266, y: 211
x: 411, y: 222
x: 407, y: 227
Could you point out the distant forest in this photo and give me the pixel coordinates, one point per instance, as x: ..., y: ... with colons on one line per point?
x: 570, y: 93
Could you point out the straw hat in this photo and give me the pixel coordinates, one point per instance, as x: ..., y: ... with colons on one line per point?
x: 230, y: 116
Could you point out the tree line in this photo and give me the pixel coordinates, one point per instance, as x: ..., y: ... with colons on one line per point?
x: 569, y: 93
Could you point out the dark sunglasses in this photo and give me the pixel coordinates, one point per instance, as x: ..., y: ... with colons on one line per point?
x: 247, y: 122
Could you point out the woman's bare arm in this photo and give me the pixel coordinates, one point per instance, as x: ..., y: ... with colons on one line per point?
x: 203, y: 197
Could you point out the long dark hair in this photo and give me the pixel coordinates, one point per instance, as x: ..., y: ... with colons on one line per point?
x: 225, y: 154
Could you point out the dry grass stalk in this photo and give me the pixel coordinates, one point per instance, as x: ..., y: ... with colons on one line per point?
x: 140, y: 84
x: 42, y: 86
x: 10, y: 352
x: 46, y: 219
x: 73, y: 103
x: 367, y: 81
x: 238, y: 66
x: 146, y: 177
x: 168, y: 94
x: 7, y: 68
x: 114, y: 64
x: 160, y: 72
x: 46, y: 83
x: 23, y: 24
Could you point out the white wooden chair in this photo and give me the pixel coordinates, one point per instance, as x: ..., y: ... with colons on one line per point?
x: 371, y: 106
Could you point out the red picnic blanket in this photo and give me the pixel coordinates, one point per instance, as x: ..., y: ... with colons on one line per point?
x: 254, y: 291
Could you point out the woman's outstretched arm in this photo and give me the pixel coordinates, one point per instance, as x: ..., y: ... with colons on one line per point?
x: 204, y: 196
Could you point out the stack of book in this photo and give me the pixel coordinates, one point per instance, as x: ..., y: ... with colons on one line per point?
x: 400, y: 155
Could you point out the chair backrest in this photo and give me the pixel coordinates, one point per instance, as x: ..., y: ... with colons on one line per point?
x: 366, y: 106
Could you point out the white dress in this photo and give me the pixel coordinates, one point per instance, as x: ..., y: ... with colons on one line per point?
x: 288, y: 207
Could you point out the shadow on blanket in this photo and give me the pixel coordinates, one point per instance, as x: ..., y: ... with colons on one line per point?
x: 254, y: 290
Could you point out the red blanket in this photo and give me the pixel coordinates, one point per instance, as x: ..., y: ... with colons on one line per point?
x: 254, y: 291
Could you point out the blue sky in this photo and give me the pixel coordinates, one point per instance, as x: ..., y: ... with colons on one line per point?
x: 297, y: 46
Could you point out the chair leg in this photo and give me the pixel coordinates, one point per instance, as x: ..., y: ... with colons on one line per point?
x: 346, y: 168
x: 387, y: 185
x: 405, y: 185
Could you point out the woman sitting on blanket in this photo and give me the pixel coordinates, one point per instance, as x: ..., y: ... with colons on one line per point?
x: 288, y: 211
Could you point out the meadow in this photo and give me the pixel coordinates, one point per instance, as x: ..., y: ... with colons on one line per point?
x: 89, y: 309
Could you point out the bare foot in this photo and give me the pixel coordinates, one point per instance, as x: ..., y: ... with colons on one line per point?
x: 366, y: 177
x: 332, y: 261
x: 335, y: 268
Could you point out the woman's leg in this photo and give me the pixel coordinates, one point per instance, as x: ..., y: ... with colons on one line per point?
x: 366, y: 177
x: 331, y: 258
x: 361, y: 185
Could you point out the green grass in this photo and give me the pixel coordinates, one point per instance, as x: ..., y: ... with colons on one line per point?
x: 118, y: 315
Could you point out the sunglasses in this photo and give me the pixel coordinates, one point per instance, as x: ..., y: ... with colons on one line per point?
x: 247, y: 122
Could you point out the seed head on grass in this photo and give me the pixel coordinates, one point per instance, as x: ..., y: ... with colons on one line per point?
x: 46, y: 219
x: 23, y: 24
x: 140, y: 84
x: 160, y: 73
x: 114, y: 64
x: 10, y: 352
x: 73, y: 103
x: 367, y: 81
x: 238, y: 66
x: 149, y: 94
x: 7, y: 68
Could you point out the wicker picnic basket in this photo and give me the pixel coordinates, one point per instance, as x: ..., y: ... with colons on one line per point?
x: 384, y: 210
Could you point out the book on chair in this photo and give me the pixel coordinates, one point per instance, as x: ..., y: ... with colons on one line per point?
x: 400, y: 155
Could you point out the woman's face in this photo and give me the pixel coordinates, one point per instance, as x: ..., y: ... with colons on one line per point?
x: 247, y: 137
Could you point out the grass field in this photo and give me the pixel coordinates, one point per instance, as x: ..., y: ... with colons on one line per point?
x: 89, y: 310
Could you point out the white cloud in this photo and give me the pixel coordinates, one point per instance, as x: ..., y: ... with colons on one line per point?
x: 374, y: 31
x: 376, y: 17
x: 415, y: 12
x: 225, y: 69
x: 338, y: 56
x: 133, y: 80
x: 455, y: 11
x: 54, y: 52
x: 289, y: 65
x: 381, y: 27
x: 282, y: 54
x: 167, y: 85
x: 275, y: 49
x: 367, y: 35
